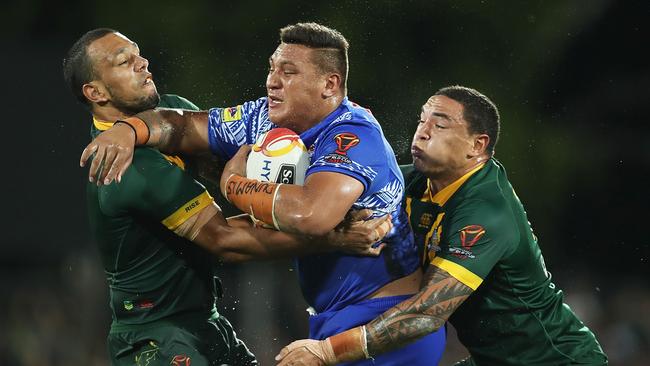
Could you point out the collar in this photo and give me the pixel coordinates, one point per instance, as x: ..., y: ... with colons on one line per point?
x: 102, y: 125
x: 445, y: 194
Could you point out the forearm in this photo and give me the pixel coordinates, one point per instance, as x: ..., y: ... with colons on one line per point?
x: 422, y: 314
x: 240, y: 243
x: 176, y: 131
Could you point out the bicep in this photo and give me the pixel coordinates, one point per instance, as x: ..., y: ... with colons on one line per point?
x: 319, y: 205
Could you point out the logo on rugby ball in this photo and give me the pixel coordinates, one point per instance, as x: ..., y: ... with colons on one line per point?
x: 278, y: 156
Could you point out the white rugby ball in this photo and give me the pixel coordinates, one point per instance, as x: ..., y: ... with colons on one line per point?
x: 278, y: 156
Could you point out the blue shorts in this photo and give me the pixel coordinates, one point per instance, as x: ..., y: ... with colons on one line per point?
x: 426, y: 351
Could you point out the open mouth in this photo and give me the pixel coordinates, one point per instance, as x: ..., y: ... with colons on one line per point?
x: 274, y: 101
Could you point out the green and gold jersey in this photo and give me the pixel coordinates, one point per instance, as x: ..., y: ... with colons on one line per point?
x: 477, y: 230
x: 152, y: 273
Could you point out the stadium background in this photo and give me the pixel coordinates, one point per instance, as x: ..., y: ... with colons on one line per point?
x: 568, y: 77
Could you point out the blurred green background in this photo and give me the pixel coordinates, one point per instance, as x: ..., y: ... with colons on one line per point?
x: 568, y: 77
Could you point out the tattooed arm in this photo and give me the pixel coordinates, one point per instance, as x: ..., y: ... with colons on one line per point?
x: 424, y: 313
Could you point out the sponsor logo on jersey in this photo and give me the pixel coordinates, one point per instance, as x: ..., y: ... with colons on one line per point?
x: 181, y: 360
x: 345, y: 141
x: 128, y: 305
x: 231, y: 114
x: 335, y: 158
x: 469, y: 235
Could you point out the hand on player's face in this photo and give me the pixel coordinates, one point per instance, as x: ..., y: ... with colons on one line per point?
x: 358, y: 235
x: 113, y: 150
x: 236, y: 165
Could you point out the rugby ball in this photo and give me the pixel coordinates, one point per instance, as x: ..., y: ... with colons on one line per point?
x: 278, y: 156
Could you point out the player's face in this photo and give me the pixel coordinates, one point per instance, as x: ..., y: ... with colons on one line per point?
x: 294, y: 86
x: 123, y: 74
x: 442, y: 143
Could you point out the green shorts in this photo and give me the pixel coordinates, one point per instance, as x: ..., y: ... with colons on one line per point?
x: 177, y: 342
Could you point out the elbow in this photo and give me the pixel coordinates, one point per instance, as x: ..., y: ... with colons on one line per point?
x: 310, y: 222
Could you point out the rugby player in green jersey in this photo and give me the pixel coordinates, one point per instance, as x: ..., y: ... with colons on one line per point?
x: 162, y: 285
x: 484, y: 269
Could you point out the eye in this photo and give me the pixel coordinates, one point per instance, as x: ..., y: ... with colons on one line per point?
x: 441, y: 127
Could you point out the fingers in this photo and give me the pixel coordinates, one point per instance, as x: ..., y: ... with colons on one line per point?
x: 87, y: 153
x: 383, y: 229
x: 96, y: 165
x: 109, y: 159
x: 376, y: 251
x: 127, y: 163
x: 359, y: 215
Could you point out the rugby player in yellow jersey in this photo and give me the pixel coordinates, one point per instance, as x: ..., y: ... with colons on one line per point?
x: 484, y: 269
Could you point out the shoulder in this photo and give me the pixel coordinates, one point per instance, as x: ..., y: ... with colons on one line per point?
x: 176, y: 101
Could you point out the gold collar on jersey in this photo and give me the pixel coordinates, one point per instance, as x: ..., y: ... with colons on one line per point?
x: 445, y: 194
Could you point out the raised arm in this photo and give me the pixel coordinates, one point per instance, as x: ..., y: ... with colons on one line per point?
x: 173, y: 131
x: 422, y: 314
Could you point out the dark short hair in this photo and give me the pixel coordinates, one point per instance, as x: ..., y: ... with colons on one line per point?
x: 332, y: 47
x: 78, y: 67
x: 480, y: 113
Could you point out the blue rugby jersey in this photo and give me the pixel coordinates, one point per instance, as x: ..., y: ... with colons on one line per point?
x: 348, y: 141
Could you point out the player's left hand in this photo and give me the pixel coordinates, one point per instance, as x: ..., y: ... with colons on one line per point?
x: 236, y: 165
x: 307, y: 352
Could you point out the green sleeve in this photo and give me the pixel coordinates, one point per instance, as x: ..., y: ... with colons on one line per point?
x: 474, y: 239
x: 155, y: 188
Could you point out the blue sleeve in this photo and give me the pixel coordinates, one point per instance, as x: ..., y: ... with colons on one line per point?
x: 230, y: 128
x: 355, y: 149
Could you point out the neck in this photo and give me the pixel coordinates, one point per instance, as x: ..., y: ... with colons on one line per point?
x: 442, y: 180
x: 109, y: 114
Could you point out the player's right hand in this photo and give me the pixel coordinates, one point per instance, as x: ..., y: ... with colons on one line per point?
x: 113, y: 150
x: 358, y: 234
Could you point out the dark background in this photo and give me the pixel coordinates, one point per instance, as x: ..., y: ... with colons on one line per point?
x: 569, y: 79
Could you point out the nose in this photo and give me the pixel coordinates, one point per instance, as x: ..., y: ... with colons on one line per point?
x: 422, y: 132
x: 272, y: 80
x: 141, y: 63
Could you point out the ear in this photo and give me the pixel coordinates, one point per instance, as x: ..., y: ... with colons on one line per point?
x: 95, y: 92
x: 332, y: 85
x: 480, y: 145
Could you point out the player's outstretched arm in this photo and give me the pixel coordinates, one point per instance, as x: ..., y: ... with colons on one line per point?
x: 422, y: 314
x: 170, y: 130
x: 236, y: 240
x: 312, y: 209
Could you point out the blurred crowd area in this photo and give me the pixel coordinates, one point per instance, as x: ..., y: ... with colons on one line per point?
x: 60, y: 316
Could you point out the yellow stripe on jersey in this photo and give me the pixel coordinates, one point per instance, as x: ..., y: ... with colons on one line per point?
x: 191, y: 208
x: 175, y: 160
x: 459, y: 272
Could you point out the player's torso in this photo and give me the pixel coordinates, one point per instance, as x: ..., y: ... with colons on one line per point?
x: 516, y: 309
x: 331, y: 281
x: 152, y: 273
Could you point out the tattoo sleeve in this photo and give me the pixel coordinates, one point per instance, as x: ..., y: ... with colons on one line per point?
x: 422, y: 314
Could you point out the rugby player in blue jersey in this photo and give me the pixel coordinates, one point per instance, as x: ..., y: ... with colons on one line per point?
x: 352, y: 166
